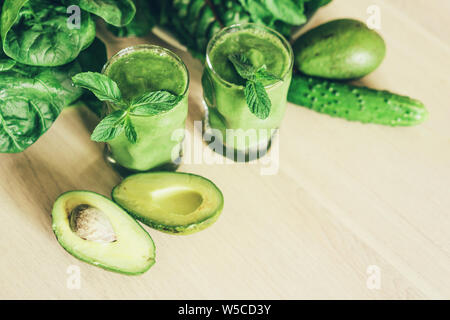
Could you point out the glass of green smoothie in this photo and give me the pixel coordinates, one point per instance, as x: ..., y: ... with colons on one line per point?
x: 138, y: 70
x: 245, y: 128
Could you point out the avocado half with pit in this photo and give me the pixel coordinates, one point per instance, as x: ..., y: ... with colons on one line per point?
x: 96, y: 230
x: 172, y: 202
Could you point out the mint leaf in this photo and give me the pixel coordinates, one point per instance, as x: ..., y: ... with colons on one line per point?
x: 263, y: 74
x: 153, y: 103
x: 130, y: 131
x: 110, y: 127
x: 257, y: 99
x: 104, y: 88
x: 247, y: 71
x: 255, y: 94
x: 242, y: 65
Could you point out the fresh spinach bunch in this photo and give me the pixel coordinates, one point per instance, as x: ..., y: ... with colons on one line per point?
x: 39, y: 54
x: 115, y: 12
x: 31, y: 98
x: 107, y: 90
x: 36, y: 33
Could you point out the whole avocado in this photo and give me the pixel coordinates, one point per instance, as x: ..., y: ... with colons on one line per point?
x: 340, y: 49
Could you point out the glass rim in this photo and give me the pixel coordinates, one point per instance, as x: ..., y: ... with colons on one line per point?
x: 240, y: 26
x: 138, y: 47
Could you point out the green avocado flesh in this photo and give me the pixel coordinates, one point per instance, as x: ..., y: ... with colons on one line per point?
x: 173, y: 202
x: 103, y: 235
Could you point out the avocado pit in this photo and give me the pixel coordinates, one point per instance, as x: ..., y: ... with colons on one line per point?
x: 90, y: 223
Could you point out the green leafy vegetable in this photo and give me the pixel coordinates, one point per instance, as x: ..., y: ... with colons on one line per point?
x: 114, y: 124
x: 255, y: 94
x: 130, y: 132
x: 26, y: 114
x: 263, y: 74
x: 257, y: 99
x: 142, y: 23
x: 36, y: 32
x: 6, y: 64
x: 154, y: 102
x: 102, y: 86
x: 288, y: 11
x: 116, y: 12
x: 243, y: 66
x: 110, y: 127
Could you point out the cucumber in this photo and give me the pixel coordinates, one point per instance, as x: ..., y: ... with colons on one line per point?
x: 355, y: 103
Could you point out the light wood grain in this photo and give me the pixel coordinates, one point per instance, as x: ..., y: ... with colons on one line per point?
x: 347, y: 195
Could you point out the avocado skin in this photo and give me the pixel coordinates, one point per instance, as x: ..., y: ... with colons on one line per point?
x: 355, y: 103
x: 176, y: 230
x: 105, y: 267
x: 339, y: 49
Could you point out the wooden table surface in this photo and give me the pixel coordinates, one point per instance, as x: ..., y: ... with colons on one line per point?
x: 347, y: 196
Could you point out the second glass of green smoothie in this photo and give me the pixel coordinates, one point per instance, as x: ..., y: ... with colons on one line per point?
x: 247, y: 135
x: 138, y: 70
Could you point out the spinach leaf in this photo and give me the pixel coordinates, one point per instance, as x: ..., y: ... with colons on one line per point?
x: 6, y: 64
x: 140, y: 26
x: 288, y: 11
x: 31, y: 98
x: 312, y: 5
x: 116, y: 12
x: 36, y: 32
x: 257, y: 10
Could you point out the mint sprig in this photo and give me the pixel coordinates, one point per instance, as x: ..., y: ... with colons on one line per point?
x: 154, y: 102
x: 119, y: 121
x: 255, y: 94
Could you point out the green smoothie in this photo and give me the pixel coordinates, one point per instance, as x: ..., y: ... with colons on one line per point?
x: 142, y: 69
x: 223, y: 88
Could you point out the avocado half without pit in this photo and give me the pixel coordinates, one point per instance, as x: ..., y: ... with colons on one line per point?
x: 172, y: 202
x: 96, y: 230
